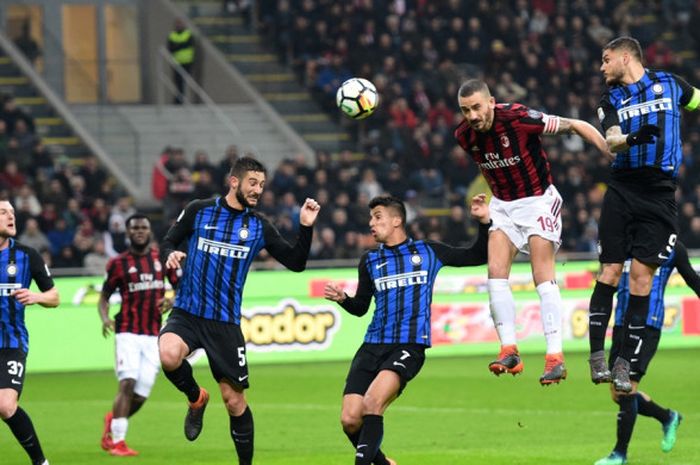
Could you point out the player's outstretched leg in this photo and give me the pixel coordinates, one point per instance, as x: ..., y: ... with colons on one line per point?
x: 626, y: 418
x: 194, y: 420
x: 599, y: 310
x: 621, y: 375
x: 554, y: 369
x: 22, y: 428
x: 635, y: 327
x: 508, y: 361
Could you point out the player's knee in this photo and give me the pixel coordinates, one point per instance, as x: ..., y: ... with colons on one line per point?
x: 351, y: 421
x: 372, y: 405
x: 610, y: 274
x: 170, y: 357
x: 8, y: 407
x: 235, y: 404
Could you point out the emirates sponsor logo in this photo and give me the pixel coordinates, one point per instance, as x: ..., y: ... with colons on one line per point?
x: 494, y: 161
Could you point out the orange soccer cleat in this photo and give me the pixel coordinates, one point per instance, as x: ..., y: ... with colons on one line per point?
x: 554, y: 369
x: 195, y: 415
x: 120, y: 449
x: 508, y: 361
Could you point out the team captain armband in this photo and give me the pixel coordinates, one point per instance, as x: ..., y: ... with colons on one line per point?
x: 551, y: 124
x: 694, y: 100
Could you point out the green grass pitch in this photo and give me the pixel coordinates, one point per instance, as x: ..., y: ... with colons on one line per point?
x: 454, y: 412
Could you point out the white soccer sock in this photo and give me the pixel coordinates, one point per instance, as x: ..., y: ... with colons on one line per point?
x: 502, y: 310
x: 550, y: 313
x: 119, y: 426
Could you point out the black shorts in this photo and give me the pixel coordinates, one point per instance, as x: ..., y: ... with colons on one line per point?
x: 638, y: 225
x: 641, y: 360
x: 404, y: 359
x: 12, y: 366
x: 223, y: 343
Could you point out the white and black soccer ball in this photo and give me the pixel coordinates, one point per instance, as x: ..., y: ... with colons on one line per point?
x: 357, y: 98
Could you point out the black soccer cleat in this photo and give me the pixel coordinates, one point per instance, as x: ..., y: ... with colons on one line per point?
x: 621, y: 375
x: 194, y: 419
x: 600, y: 373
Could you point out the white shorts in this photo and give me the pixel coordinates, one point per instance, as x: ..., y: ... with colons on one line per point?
x: 137, y: 358
x: 530, y: 216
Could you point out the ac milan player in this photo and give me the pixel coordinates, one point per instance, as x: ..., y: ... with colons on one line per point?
x: 505, y: 140
x: 140, y: 278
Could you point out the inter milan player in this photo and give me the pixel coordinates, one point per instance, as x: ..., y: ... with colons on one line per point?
x: 224, y: 235
x: 640, y: 114
x: 637, y: 401
x: 505, y: 140
x: 400, y: 275
x: 139, y: 276
x: 19, y: 265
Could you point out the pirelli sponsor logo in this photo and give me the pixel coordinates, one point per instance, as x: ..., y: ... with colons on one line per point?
x: 639, y: 109
x: 414, y: 278
x: 222, y: 248
x: 6, y: 289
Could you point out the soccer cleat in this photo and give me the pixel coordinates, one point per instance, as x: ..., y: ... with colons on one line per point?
x: 554, y: 369
x: 508, y: 361
x: 670, y: 429
x: 600, y: 373
x: 615, y: 458
x: 621, y: 375
x: 195, y: 415
x: 120, y: 449
x: 106, y: 442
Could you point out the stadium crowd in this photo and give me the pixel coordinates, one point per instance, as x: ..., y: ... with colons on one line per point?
x: 542, y: 53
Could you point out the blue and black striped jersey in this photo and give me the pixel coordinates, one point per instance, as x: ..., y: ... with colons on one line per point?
x: 655, y: 99
x: 401, y: 279
x: 19, y: 265
x: 223, y: 242
x: 655, y: 318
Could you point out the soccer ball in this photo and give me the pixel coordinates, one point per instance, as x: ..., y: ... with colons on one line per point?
x: 357, y: 98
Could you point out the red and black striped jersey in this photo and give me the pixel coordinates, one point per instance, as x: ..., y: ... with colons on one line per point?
x: 140, y: 280
x: 510, y: 154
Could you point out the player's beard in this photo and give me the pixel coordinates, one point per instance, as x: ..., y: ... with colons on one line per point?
x: 241, y: 198
x: 140, y: 248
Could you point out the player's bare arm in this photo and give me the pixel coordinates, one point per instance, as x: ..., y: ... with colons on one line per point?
x: 480, y: 209
x: 309, y: 212
x: 175, y: 259
x: 587, y: 132
x: 45, y: 299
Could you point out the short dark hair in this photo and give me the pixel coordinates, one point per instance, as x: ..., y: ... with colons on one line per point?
x: 473, y: 86
x: 389, y: 201
x: 136, y: 216
x: 245, y: 164
x: 627, y: 43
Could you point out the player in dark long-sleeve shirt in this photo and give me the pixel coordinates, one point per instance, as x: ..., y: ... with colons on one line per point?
x: 19, y: 265
x: 638, y: 402
x: 224, y: 235
x: 400, y: 275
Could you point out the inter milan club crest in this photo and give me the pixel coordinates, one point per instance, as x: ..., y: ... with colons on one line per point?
x: 505, y: 142
x: 11, y: 270
x: 157, y: 266
x: 657, y: 89
x: 416, y: 259
x: 243, y: 233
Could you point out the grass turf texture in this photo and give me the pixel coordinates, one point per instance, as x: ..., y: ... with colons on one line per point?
x: 454, y: 412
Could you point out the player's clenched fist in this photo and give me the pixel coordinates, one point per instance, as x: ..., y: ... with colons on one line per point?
x: 309, y: 212
x: 174, y: 259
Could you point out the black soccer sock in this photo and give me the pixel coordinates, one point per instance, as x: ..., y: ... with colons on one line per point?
x: 649, y: 408
x: 242, y: 434
x: 370, y: 439
x: 625, y: 422
x: 21, y: 426
x: 379, y: 458
x: 599, y: 311
x: 635, y: 325
x: 182, y: 379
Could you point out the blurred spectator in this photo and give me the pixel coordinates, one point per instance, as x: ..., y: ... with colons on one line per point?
x: 96, y: 260
x: 33, y: 237
x: 181, y: 46
x: 27, y: 44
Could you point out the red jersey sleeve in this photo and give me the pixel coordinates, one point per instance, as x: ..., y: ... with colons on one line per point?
x: 113, y: 278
